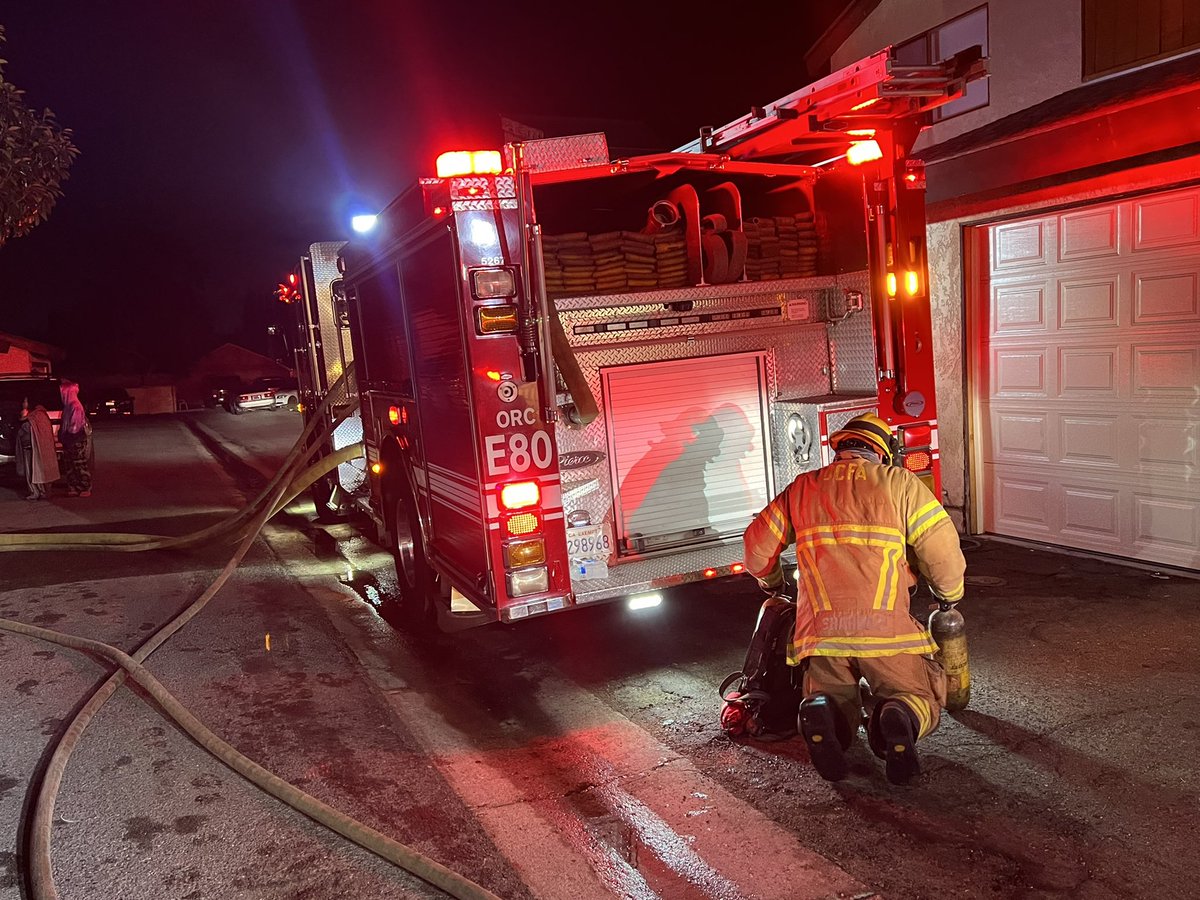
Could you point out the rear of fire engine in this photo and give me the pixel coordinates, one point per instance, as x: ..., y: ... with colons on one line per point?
x: 581, y: 378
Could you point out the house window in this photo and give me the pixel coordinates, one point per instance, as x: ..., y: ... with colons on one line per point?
x: 1118, y: 34
x: 937, y: 44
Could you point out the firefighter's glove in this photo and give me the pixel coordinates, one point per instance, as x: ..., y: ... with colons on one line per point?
x: 772, y: 582
x: 943, y: 603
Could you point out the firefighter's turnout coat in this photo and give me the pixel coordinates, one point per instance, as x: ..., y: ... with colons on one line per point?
x: 853, y: 522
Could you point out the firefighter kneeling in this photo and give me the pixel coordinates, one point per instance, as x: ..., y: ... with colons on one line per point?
x: 853, y: 522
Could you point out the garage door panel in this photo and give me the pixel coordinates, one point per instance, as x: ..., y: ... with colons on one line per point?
x: 1091, y: 366
x: 1019, y: 244
x: 1023, y: 503
x: 1092, y: 513
x: 1168, y: 522
x: 1088, y: 372
x: 1018, y: 307
x: 1166, y: 298
x: 1160, y: 370
x: 1088, y: 234
x: 1170, y: 447
x: 1090, y: 440
x: 1089, y: 302
x: 1020, y: 435
x: 1166, y: 221
x: 1019, y: 372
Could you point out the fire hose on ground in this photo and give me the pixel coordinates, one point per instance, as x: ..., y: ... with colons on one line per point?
x: 244, y: 527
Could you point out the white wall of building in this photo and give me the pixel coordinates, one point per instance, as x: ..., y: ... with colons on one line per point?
x: 1019, y: 31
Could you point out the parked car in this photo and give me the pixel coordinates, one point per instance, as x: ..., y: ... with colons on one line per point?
x: 116, y: 402
x: 287, y: 392
x: 21, y: 391
x: 220, y: 390
x: 253, y: 397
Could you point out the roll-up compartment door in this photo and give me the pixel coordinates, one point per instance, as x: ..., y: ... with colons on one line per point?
x: 686, y: 448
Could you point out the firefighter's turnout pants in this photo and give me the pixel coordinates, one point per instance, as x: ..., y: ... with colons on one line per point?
x: 918, y: 682
x: 854, y: 523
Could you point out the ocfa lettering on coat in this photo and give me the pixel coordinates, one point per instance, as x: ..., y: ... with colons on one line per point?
x: 848, y: 472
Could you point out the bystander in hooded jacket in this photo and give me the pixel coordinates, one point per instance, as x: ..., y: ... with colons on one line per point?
x: 37, y: 459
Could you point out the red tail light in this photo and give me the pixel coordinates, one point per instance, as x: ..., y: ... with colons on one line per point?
x: 520, y: 495
x: 710, y: 573
x: 394, y: 415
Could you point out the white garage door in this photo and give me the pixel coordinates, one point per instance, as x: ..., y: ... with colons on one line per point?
x: 1091, y: 379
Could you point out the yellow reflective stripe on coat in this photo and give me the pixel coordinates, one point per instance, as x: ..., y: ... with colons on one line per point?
x: 923, y: 521
x: 812, y: 645
x: 955, y: 594
x: 865, y: 535
x: 777, y: 521
x: 812, y: 579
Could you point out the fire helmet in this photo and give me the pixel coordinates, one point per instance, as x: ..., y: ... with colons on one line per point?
x: 871, y: 430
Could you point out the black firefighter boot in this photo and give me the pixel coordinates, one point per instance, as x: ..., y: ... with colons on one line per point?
x: 827, y: 735
x: 892, y: 735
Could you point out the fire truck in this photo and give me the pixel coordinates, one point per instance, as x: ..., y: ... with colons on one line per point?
x: 580, y: 378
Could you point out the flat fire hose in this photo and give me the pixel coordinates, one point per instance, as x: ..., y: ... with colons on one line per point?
x: 568, y: 367
x: 273, y: 498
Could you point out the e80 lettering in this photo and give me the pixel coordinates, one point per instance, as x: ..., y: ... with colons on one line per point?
x: 516, y: 453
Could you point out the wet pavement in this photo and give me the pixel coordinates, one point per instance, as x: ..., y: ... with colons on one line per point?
x: 577, y: 755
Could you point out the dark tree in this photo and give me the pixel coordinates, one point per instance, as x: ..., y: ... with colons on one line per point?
x: 35, y: 159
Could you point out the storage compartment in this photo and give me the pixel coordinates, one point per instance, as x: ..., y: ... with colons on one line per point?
x: 687, y: 449
x: 652, y: 230
x: 800, y: 430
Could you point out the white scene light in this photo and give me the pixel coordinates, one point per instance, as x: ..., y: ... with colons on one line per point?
x: 644, y: 601
x: 363, y: 224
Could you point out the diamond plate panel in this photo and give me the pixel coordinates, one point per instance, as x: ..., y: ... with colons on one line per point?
x: 351, y: 475
x: 659, y: 572
x: 852, y: 342
x: 804, y: 445
x: 335, y: 341
x: 572, y: 152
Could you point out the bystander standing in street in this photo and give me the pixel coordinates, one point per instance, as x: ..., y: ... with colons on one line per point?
x: 36, y: 457
x: 75, y: 434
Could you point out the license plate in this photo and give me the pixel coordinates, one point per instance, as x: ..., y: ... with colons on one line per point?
x: 589, y: 541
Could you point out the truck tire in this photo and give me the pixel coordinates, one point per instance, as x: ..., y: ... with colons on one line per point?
x: 413, y: 575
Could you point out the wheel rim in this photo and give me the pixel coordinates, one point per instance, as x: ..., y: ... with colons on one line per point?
x: 405, y: 550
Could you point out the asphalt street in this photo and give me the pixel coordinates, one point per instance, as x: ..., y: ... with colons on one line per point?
x: 574, y: 756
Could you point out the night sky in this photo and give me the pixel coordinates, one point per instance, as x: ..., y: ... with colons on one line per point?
x: 218, y: 139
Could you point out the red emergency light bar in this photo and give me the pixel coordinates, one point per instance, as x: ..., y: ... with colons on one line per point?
x: 863, y: 152
x: 469, y: 162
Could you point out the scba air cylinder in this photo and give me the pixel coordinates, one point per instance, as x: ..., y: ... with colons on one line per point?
x: 949, y: 631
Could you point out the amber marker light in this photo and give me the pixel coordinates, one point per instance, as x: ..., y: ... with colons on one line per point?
x: 891, y: 284
x: 863, y: 152
x: 376, y: 468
